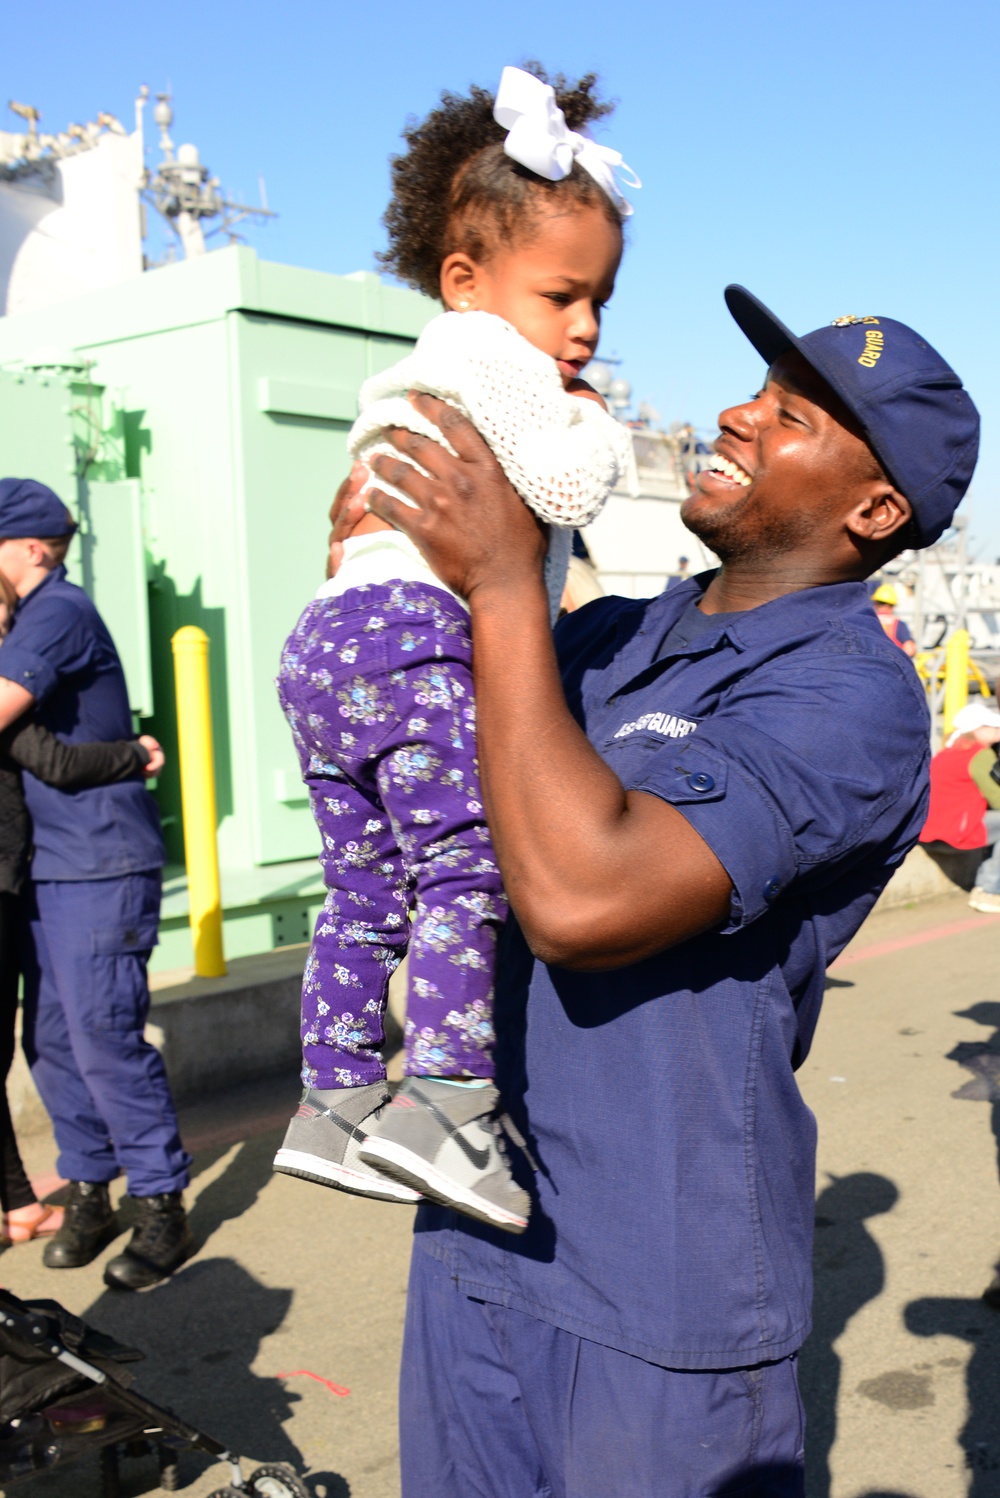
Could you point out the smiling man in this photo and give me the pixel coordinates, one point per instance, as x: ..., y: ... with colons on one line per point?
x: 694, y: 806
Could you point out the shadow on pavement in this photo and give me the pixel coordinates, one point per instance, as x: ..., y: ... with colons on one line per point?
x: 975, y: 1323
x: 201, y: 1331
x: 236, y: 1189
x: 849, y: 1271
x: 775, y: 1480
x: 982, y: 1059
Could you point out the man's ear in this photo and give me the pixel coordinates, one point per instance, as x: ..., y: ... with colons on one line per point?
x: 880, y: 514
x: 460, y: 282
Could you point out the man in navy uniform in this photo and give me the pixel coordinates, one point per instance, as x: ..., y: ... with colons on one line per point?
x: 93, y: 918
x: 695, y: 801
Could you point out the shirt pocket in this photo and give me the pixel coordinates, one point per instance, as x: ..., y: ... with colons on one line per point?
x: 675, y: 771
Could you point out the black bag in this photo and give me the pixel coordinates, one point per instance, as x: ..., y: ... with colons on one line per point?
x: 31, y: 1378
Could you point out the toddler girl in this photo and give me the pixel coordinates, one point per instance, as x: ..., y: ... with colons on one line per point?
x: 514, y: 220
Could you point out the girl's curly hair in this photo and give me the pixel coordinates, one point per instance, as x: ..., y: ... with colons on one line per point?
x: 455, y: 189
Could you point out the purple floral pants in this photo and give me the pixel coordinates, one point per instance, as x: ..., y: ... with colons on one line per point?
x: 377, y: 687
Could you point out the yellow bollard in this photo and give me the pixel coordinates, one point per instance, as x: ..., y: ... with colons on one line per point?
x: 194, y: 733
x: 956, y: 677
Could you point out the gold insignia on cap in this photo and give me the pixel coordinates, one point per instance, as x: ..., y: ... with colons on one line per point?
x: 844, y: 322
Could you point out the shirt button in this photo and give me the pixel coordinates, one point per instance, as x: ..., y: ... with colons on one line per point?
x: 701, y: 781
x: 772, y: 889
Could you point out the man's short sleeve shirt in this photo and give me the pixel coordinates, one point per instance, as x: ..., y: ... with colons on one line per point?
x: 677, y: 1157
x: 60, y: 651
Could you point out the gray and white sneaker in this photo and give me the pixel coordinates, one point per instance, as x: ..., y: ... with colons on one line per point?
x: 324, y: 1139
x: 447, y: 1143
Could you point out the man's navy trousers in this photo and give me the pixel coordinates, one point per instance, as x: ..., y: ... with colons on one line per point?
x: 86, y: 1000
x: 497, y: 1404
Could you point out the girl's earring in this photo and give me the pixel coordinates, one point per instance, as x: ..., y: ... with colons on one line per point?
x: 463, y: 306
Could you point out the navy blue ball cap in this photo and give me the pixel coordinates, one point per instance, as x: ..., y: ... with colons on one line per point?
x: 28, y: 508
x: 916, y: 417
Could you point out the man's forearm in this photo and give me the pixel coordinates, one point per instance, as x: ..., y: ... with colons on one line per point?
x: 545, y: 787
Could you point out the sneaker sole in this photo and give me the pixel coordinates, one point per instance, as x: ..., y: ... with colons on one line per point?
x: 400, y: 1164
x: 985, y: 909
x: 341, y: 1177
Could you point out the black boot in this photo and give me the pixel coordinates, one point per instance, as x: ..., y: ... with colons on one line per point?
x: 88, y: 1225
x: 161, y: 1241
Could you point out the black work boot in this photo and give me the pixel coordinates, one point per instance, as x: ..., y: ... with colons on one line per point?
x: 89, y: 1223
x: 161, y: 1241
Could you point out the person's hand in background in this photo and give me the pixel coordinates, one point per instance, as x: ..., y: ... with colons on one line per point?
x: 157, y: 758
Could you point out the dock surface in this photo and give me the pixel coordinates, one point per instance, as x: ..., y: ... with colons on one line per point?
x: 298, y: 1292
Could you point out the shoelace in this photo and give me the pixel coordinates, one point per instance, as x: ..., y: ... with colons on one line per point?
x: 504, y: 1128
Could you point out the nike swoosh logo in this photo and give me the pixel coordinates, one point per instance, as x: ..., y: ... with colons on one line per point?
x: 479, y: 1158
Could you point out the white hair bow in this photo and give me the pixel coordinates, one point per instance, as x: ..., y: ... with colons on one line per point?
x: 539, y: 138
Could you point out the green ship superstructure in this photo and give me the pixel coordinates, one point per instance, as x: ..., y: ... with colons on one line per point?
x: 194, y: 419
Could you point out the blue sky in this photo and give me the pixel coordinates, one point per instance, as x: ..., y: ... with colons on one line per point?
x: 833, y: 158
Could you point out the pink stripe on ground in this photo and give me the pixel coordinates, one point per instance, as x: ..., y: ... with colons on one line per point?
x: 901, y: 943
x: 236, y: 1131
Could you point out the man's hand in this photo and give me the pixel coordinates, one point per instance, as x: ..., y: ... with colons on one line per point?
x: 347, y: 509
x: 157, y: 758
x: 470, y: 524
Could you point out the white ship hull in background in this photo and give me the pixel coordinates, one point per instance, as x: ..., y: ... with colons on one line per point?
x: 70, y: 217
x: 638, y: 543
x: 72, y: 206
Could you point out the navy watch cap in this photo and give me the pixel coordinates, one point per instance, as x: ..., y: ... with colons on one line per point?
x: 28, y: 508
x: 910, y: 405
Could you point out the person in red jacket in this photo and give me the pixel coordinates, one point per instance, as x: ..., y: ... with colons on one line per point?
x: 965, y: 801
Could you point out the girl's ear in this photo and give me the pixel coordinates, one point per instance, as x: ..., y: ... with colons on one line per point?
x: 460, y: 282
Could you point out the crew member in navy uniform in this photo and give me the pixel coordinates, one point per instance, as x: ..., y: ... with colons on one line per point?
x: 691, y: 824
x: 94, y: 913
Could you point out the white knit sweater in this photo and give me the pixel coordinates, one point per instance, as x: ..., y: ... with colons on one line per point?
x: 562, y: 454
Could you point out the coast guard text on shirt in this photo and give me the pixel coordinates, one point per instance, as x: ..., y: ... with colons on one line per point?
x: 668, y: 724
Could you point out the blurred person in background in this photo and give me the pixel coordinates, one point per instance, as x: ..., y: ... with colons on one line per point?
x: 885, y: 599
x: 29, y: 746
x: 964, y: 813
x: 93, y: 917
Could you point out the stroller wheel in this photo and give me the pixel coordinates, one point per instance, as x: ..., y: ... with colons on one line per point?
x: 277, y: 1481
x: 170, y: 1472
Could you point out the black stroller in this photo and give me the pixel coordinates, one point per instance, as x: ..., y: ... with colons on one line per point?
x: 65, y: 1390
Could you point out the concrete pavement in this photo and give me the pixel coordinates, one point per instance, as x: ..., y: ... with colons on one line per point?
x: 901, y: 1377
